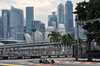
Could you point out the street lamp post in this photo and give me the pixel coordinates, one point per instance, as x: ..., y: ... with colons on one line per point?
x: 33, y: 31
x: 77, y: 38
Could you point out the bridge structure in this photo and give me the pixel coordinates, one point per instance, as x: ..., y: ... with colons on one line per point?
x: 26, y: 47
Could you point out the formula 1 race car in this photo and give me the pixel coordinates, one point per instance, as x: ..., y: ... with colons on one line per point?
x: 45, y: 60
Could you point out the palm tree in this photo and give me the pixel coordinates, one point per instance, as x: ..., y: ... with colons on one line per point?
x: 68, y: 40
x: 55, y: 37
x: 64, y: 41
x: 81, y: 42
x: 71, y: 39
x: 58, y: 37
x: 52, y: 36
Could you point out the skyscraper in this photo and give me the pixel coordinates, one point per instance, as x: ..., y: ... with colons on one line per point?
x: 52, y: 18
x: 1, y: 28
x: 43, y: 29
x: 60, y: 14
x: 2, y: 23
x: 16, y: 20
x: 37, y: 24
x: 6, y: 21
x: 69, y: 17
x: 4, y: 11
x: 29, y: 19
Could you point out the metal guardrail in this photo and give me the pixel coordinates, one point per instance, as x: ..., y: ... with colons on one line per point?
x: 31, y: 57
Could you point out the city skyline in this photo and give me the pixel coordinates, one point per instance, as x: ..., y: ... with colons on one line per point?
x: 41, y: 10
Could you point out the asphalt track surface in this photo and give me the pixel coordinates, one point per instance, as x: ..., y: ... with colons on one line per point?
x: 35, y: 62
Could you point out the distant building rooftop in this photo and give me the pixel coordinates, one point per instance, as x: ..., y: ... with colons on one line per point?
x: 8, y: 41
x: 1, y: 43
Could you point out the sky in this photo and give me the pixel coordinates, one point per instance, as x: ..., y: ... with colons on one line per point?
x: 42, y: 8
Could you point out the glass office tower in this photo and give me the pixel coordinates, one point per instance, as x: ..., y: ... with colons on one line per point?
x: 2, y: 22
x: 69, y: 17
x: 6, y: 21
x: 52, y: 18
x: 37, y: 25
x: 60, y: 14
x: 43, y: 29
x: 1, y: 28
x: 16, y: 20
x: 29, y: 19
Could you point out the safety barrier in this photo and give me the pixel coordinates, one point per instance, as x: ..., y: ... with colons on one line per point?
x: 88, y: 59
x: 30, y: 57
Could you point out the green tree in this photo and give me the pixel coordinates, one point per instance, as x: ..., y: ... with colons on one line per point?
x: 54, y: 36
x: 58, y: 37
x: 71, y: 39
x: 67, y: 40
x: 81, y: 10
x: 87, y: 11
x: 64, y: 40
x: 81, y: 42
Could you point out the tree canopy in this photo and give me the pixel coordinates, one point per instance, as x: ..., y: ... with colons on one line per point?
x: 65, y: 40
x: 68, y: 40
x: 54, y: 36
x: 87, y: 11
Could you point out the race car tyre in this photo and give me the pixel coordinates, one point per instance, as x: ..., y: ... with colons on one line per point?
x: 40, y: 61
x: 52, y: 61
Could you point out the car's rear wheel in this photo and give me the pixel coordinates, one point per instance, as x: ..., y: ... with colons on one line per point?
x: 40, y: 61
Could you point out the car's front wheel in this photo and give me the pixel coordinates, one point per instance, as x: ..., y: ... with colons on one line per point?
x: 52, y: 61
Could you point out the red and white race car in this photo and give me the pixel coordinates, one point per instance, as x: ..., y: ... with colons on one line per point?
x: 45, y: 60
